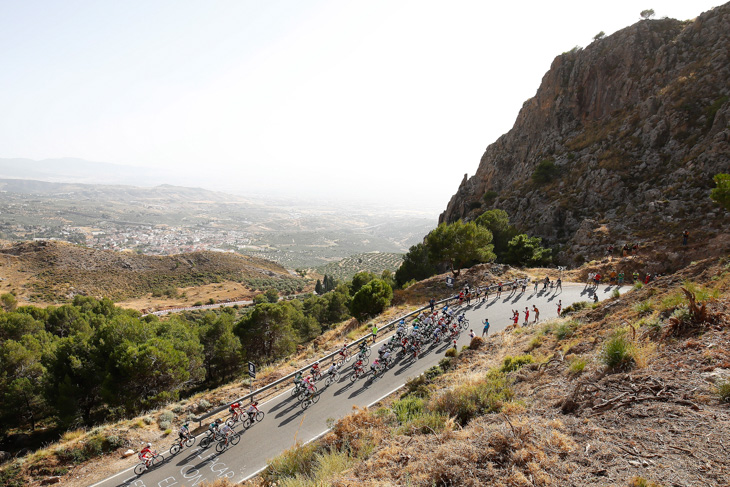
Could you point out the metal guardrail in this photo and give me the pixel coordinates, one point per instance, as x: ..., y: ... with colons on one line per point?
x: 251, y: 395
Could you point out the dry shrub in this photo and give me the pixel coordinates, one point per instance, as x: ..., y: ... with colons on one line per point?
x: 220, y: 482
x: 357, y: 433
x: 476, y: 343
x: 687, y: 321
x: 488, y: 452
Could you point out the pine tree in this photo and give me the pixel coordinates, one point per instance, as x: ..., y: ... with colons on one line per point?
x: 318, y: 288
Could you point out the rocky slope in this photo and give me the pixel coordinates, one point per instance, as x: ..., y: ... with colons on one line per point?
x: 627, y: 133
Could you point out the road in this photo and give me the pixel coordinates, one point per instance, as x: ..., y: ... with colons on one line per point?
x: 286, y: 423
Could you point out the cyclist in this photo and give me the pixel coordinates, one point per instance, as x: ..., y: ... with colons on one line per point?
x: 146, y: 453
x: 213, y: 428
x: 253, y: 410
x: 184, y: 432
x: 235, y: 409
x: 315, y: 369
x: 308, y: 383
x: 332, y: 369
x: 471, y: 334
x: 343, y: 351
x: 375, y: 366
x: 225, y: 430
x: 363, y: 347
x: 298, y: 378
x: 386, y: 357
x: 358, y: 367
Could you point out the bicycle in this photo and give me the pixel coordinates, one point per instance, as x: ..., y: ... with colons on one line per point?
x: 344, y: 357
x: 311, y: 398
x: 177, y: 446
x: 148, y: 463
x: 232, y: 439
x: 235, y: 417
x: 306, y: 392
x: 252, y: 418
x: 298, y: 388
x: 209, y: 438
x: 356, y: 374
x: 332, y: 378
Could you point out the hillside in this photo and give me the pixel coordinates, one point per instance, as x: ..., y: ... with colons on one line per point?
x: 634, y: 391
x: 49, y: 272
x: 619, y: 144
x: 375, y: 262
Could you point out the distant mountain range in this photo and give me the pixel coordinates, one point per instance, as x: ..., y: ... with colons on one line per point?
x: 71, y: 170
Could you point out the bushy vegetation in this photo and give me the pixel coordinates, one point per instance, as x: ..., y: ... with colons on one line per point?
x: 89, y: 362
x: 490, y: 237
x: 476, y: 398
x: 618, y: 352
x: 510, y: 364
x: 545, y: 172
x: 575, y: 307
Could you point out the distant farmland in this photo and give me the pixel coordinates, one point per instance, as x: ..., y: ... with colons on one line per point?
x: 375, y: 262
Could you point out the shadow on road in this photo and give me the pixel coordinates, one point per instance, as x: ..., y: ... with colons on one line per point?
x: 282, y: 403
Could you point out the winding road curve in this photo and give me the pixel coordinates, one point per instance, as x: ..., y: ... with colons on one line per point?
x: 286, y: 423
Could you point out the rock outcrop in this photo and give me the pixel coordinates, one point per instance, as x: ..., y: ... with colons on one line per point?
x: 620, y: 143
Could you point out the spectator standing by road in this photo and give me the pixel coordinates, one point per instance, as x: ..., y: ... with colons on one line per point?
x: 485, y: 330
x: 559, y: 284
x: 536, y: 312
x: 560, y: 306
x: 375, y: 333
x: 432, y: 304
x: 527, y: 315
x: 685, y: 237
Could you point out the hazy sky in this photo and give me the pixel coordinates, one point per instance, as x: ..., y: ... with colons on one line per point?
x: 390, y: 99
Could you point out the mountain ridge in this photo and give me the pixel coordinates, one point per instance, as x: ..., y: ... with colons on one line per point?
x: 623, y: 135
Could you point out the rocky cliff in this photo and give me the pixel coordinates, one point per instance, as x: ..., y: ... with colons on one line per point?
x: 620, y: 143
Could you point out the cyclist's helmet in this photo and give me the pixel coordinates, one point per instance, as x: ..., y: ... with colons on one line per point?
x: 149, y: 445
x: 219, y: 420
x: 255, y: 403
x: 186, y: 424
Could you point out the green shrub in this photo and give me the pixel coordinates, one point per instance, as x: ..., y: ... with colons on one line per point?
x: 566, y: 330
x: 203, y: 404
x: 672, y: 301
x: 12, y: 476
x: 545, y: 172
x: 577, y: 366
x: 510, y: 364
x: 148, y: 420
x: 165, y: 425
x: 297, y: 460
x: 178, y: 409
x: 432, y: 372
x: 452, y: 352
x: 618, y: 352
x: 615, y: 293
x: 408, y: 408
x: 638, y: 285
x: 577, y: 306
x: 425, y: 423
x: 417, y: 387
x: 723, y: 391
x: 470, y: 400
x: 534, y: 343
x: 642, y: 482
x: 644, y: 307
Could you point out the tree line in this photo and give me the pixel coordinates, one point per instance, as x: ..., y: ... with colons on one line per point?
x: 90, y: 361
x: 453, y: 246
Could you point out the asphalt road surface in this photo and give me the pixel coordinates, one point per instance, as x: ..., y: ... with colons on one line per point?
x: 286, y: 422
